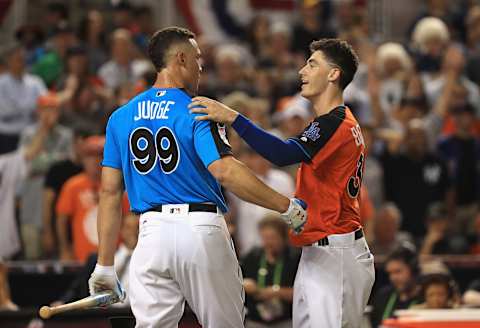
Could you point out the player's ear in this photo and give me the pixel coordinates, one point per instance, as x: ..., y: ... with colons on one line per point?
x: 334, y: 75
x: 181, y: 58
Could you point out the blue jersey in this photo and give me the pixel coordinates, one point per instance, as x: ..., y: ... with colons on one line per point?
x: 164, y: 152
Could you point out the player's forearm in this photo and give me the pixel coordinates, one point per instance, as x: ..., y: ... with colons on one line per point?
x: 109, y: 220
x: 270, y: 147
x: 237, y: 178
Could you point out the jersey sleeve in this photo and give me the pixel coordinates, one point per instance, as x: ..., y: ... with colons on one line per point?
x: 111, y: 151
x: 317, y: 138
x: 210, y: 140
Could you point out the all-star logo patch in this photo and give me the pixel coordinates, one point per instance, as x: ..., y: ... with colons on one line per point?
x: 222, y: 131
x: 312, y: 133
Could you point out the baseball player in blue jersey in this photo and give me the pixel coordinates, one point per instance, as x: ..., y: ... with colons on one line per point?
x: 172, y: 166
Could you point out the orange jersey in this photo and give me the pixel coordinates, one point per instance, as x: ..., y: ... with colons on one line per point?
x: 330, y: 182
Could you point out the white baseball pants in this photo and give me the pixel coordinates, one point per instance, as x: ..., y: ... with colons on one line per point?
x: 333, y: 283
x: 185, y: 257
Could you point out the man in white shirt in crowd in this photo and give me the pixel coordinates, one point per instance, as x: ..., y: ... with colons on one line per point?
x: 19, y: 92
x: 248, y: 215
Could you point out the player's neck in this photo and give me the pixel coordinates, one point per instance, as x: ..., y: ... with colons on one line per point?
x: 328, y: 100
x: 165, y: 79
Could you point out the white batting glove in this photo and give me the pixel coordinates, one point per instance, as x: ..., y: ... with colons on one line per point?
x: 296, y: 215
x: 104, y: 278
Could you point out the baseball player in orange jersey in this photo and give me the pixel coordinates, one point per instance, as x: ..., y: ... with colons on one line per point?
x: 336, y: 271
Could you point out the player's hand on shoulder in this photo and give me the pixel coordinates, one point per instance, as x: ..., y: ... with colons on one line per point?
x: 104, y: 278
x: 213, y: 110
x: 296, y: 215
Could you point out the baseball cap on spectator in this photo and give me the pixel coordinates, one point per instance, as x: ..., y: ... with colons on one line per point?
x: 94, y: 145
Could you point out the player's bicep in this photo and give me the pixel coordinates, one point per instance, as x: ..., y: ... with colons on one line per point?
x: 210, y: 141
x: 112, y: 181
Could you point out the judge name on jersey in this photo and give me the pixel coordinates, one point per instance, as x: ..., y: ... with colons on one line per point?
x: 153, y: 110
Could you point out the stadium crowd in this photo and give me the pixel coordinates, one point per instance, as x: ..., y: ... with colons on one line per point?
x: 418, y: 103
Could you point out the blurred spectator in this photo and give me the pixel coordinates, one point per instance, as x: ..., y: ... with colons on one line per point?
x: 423, y: 179
x: 450, y: 12
x: 51, y: 65
x: 439, y: 291
x: 230, y: 63
x: 56, y: 13
x: 387, y: 235
x: 90, y: 99
x: 472, y: 294
x: 19, y: 92
x: 310, y: 27
x: 122, y: 67
x: 145, y: 27
x: 472, y: 44
x: 393, y: 69
x: 403, y: 292
x: 430, y: 39
x: 123, y: 16
x: 439, y: 239
x: 474, y: 238
x: 55, y: 178
x: 248, y: 215
x: 269, y: 272
x: 461, y: 152
x: 31, y: 37
x: 294, y: 117
x: 280, y: 57
x: 441, y: 63
x: 13, y: 169
x: 6, y: 303
x: 77, y: 204
x: 373, y: 174
x: 258, y: 36
x: 93, y: 35
x: 129, y: 237
x: 57, y: 146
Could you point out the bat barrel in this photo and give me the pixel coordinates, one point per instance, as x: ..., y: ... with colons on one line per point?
x: 100, y: 299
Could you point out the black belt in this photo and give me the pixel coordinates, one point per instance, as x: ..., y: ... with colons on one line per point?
x: 324, y: 240
x: 195, y: 207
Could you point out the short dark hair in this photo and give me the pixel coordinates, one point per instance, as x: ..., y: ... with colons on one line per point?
x: 406, y: 254
x: 341, y: 54
x: 276, y: 223
x: 162, y: 40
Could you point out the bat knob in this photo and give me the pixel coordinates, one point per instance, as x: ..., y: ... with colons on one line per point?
x: 45, y: 312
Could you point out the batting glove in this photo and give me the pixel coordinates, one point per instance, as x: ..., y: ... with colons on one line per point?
x: 296, y: 215
x: 104, y: 278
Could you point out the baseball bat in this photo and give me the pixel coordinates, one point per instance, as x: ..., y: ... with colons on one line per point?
x: 101, y: 299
